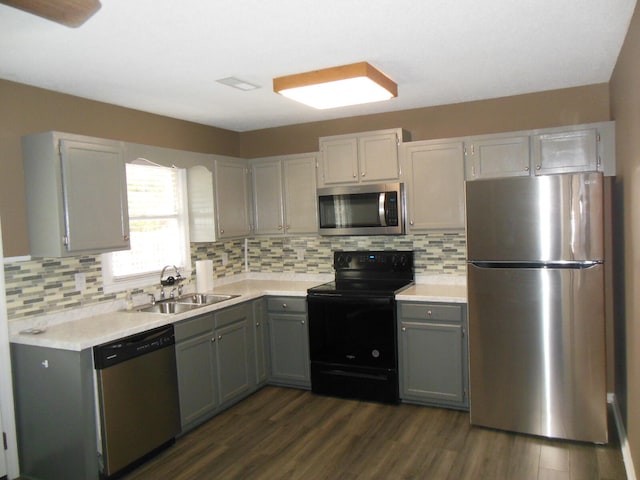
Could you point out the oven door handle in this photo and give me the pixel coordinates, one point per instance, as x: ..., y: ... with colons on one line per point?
x: 351, y: 299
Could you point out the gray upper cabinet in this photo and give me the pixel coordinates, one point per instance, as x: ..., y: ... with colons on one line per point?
x: 368, y: 157
x: 568, y: 149
x: 434, y: 183
x: 284, y: 194
x: 232, y: 190
x: 497, y: 156
x: 71, y: 181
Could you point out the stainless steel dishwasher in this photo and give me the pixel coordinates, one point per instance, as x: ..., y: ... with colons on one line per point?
x: 137, y: 398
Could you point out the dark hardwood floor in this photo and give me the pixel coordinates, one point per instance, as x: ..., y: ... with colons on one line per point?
x: 281, y: 433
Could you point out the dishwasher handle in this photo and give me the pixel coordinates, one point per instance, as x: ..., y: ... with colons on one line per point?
x: 115, y: 352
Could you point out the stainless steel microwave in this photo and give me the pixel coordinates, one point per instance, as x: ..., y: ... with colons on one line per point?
x: 362, y: 210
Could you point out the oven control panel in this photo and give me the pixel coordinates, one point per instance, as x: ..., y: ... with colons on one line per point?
x: 382, y: 261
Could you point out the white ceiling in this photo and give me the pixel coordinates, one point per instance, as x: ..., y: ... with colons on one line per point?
x: 163, y: 56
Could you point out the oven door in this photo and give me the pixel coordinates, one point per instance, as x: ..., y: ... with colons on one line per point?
x: 353, y: 330
x: 353, y: 347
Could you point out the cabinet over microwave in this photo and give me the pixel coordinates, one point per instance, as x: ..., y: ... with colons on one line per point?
x: 362, y: 210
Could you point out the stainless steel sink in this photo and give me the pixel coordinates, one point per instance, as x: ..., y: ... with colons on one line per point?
x: 185, y: 303
x: 203, y: 299
x: 167, y: 307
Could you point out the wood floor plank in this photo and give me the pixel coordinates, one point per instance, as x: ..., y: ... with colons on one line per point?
x: 281, y: 433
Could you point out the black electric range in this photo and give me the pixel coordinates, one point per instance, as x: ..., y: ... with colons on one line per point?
x: 352, y: 325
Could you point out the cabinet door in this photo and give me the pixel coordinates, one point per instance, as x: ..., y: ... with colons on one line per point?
x: 260, y: 339
x: 289, y: 345
x: 197, y: 377
x: 565, y: 152
x: 201, y: 208
x: 492, y: 157
x: 232, y: 199
x: 300, y: 199
x: 268, y: 210
x: 378, y: 157
x: 233, y: 360
x: 432, y: 361
x: 95, y: 196
x: 338, y: 160
x: 435, y: 186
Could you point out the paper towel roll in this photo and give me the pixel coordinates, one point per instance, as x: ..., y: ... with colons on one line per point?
x: 204, y: 275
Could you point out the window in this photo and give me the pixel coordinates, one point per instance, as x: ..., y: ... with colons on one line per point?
x: 158, y: 225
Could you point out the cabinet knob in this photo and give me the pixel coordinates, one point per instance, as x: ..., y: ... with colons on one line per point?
x: 526, y: 169
x: 257, y: 324
x: 538, y: 167
x: 404, y: 329
x: 126, y: 238
x: 363, y: 174
x: 302, y: 322
x: 221, y: 231
x: 355, y: 175
x: 429, y: 313
x: 279, y: 227
x: 284, y: 305
x: 213, y: 339
x: 411, y: 222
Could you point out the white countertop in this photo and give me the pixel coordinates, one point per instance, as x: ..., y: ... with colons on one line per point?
x: 86, y: 332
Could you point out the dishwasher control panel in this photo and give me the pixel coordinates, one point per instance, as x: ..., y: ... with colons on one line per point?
x: 112, y: 353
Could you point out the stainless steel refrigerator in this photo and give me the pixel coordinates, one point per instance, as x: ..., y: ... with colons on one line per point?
x: 535, y: 253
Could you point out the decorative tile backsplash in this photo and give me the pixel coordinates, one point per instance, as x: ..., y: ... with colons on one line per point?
x: 46, y: 285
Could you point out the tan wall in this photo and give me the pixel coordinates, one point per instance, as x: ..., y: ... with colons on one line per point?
x: 27, y: 110
x: 625, y: 109
x: 522, y: 112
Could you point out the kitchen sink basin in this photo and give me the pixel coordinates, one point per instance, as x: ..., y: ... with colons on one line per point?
x: 202, y: 299
x: 184, y: 303
x: 167, y: 307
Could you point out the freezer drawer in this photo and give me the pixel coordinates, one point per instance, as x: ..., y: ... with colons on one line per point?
x: 537, y: 351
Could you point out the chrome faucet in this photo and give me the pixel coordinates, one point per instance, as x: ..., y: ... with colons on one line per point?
x: 170, y: 280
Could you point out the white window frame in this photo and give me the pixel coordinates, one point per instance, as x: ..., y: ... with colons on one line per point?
x: 112, y: 284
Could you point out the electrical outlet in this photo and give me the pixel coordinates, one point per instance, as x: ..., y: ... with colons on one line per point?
x: 81, y: 281
x: 300, y: 253
x: 225, y: 258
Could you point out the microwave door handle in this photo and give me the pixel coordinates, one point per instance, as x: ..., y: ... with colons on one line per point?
x: 381, y: 198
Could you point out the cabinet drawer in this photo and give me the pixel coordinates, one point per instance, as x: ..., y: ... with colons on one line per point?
x: 431, y: 311
x: 193, y: 326
x: 287, y: 304
x: 231, y: 315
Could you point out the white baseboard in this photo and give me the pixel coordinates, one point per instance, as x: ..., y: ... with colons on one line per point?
x: 622, y: 434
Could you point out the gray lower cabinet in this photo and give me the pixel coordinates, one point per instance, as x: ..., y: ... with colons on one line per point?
x: 55, y: 413
x: 261, y: 357
x: 433, y: 354
x: 214, y: 355
x: 288, y: 341
x: 197, y: 369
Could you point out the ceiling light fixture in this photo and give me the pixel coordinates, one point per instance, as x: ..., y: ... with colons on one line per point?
x: 333, y: 87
